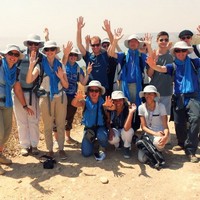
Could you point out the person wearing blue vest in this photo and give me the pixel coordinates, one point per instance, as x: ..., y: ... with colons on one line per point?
x: 93, y: 119
x: 75, y: 74
x: 8, y: 80
x: 186, y: 105
x: 28, y: 126
x: 52, y: 102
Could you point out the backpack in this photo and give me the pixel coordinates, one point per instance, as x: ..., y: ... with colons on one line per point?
x: 33, y: 87
x: 154, y: 157
x: 196, y: 51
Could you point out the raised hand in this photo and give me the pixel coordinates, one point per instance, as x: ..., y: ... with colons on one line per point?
x: 89, y: 68
x: 80, y: 23
x: 46, y: 34
x: 33, y: 59
x: 108, y: 102
x: 67, y: 49
x: 106, y: 26
x: 118, y: 34
x: 198, y: 29
x: 60, y: 73
x: 80, y: 96
x: 132, y: 108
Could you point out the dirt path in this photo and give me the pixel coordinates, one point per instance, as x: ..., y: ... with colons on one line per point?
x: 80, y: 178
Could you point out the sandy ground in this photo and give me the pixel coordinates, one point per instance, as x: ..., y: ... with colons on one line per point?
x: 81, y: 178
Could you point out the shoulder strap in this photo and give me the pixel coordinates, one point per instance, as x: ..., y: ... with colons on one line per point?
x: 78, y: 73
x: 196, y: 51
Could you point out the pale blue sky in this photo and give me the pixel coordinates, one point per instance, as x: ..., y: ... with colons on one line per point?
x: 21, y: 17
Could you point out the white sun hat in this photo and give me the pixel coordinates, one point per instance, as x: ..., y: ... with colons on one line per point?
x: 181, y: 45
x: 148, y: 89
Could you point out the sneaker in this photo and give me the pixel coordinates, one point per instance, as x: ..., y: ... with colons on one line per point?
x: 192, y: 158
x: 35, y: 151
x: 24, y: 152
x: 127, y: 152
x: 4, y: 160
x: 100, y: 156
x: 177, y: 148
x: 2, y: 171
x: 62, y: 155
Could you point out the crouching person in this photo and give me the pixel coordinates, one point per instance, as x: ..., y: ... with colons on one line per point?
x: 120, y: 117
x: 153, y: 119
x: 93, y: 119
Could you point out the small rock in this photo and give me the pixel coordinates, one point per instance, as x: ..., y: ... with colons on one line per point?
x: 19, y: 181
x: 104, y: 180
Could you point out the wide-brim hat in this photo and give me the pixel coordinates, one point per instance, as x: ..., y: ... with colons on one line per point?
x: 76, y: 51
x: 181, y: 45
x: 34, y: 38
x: 185, y: 33
x: 12, y: 47
x: 118, y: 95
x: 96, y: 84
x: 148, y: 89
x: 105, y: 40
x: 134, y: 36
x: 50, y: 44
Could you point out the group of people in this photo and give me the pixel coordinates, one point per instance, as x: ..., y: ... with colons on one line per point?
x: 116, y: 101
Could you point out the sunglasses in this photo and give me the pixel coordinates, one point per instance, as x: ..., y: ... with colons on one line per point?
x: 186, y: 37
x: 180, y: 50
x: 105, y: 45
x: 73, y: 54
x: 96, y: 91
x: 50, y: 49
x: 33, y: 43
x: 10, y: 53
x: 164, y: 40
x: 95, y: 45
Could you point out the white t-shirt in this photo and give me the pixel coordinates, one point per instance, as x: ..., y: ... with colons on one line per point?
x: 153, y: 118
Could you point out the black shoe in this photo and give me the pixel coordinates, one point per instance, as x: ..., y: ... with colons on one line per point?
x: 127, y: 152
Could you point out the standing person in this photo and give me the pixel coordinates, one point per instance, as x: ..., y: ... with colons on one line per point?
x: 75, y: 74
x: 28, y: 125
x: 186, y: 36
x: 93, y: 119
x: 132, y: 63
x: 153, y: 119
x: 8, y: 80
x: 186, y: 106
x: 53, y: 103
x: 120, y: 121
x: 98, y: 57
x: 163, y: 82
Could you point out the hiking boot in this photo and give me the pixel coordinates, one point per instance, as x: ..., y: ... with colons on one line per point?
x: 127, y: 152
x: 177, y: 148
x: 4, y: 160
x: 192, y: 158
x: 35, y: 151
x: 2, y: 171
x: 24, y: 152
x: 62, y: 155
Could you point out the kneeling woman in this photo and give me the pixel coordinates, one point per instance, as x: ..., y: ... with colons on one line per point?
x: 153, y: 119
x: 120, y: 118
x: 93, y: 118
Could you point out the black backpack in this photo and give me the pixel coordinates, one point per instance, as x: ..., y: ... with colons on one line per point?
x: 154, y: 157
